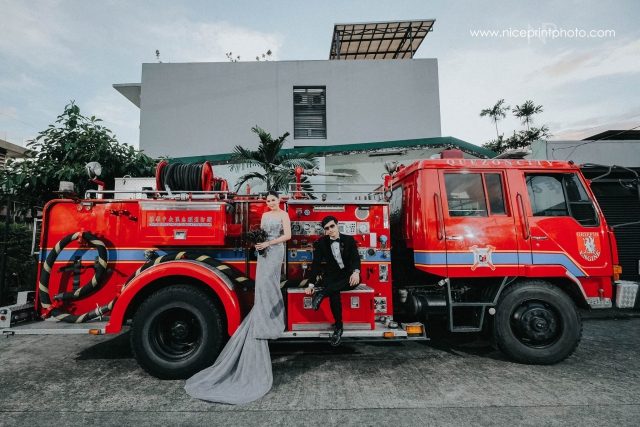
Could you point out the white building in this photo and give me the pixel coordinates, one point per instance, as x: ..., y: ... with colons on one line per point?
x: 10, y: 151
x: 369, y: 96
x: 605, y: 152
x: 208, y: 108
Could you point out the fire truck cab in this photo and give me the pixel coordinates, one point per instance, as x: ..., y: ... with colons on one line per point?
x: 511, y: 247
x: 522, y: 241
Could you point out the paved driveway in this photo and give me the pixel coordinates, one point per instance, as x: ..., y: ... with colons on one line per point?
x: 87, y: 380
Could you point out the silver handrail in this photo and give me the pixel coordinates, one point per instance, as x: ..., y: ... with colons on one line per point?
x: 372, y: 190
x: 185, y: 195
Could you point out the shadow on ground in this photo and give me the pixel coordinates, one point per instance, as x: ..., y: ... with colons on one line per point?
x: 117, y: 347
x: 459, y: 345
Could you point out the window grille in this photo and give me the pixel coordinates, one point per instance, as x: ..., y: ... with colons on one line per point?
x: 310, y: 112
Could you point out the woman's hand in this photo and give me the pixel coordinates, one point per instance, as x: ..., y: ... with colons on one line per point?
x: 263, y: 245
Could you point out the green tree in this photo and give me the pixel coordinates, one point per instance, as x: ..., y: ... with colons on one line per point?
x: 526, y: 111
x: 20, y: 265
x: 496, y: 113
x: 498, y: 145
x: 277, y: 168
x: 520, y: 139
x: 60, y: 153
x: 524, y: 138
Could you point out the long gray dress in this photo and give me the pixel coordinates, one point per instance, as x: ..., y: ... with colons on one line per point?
x: 242, y: 373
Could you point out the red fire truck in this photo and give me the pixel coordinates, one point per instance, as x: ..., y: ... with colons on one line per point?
x: 512, y: 247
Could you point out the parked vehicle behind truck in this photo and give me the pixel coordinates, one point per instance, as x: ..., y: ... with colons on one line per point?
x: 512, y: 247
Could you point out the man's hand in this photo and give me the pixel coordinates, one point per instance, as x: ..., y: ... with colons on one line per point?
x: 309, y: 290
x: 354, y: 279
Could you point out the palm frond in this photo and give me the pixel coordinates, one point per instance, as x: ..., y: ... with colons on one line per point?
x: 248, y: 177
x: 292, y: 161
x: 269, y: 147
x: 281, y: 180
x: 277, y: 169
x: 243, y: 158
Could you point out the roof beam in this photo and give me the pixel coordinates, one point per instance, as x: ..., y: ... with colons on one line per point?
x: 375, y: 40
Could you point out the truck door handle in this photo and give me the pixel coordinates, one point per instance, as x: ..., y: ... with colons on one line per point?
x: 455, y: 238
x: 539, y: 237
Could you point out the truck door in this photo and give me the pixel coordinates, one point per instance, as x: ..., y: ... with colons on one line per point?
x: 479, y: 225
x: 565, y: 228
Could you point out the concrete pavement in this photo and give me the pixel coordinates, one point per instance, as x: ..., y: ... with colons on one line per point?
x: 85, y: 380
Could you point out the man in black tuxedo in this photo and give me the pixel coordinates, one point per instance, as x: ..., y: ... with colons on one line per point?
x: 342, y: 270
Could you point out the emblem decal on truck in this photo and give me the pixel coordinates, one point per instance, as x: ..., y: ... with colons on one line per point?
x: 482, y: 257
x: 589, y: 245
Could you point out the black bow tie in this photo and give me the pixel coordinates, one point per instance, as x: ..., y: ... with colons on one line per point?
x: 335, y: 240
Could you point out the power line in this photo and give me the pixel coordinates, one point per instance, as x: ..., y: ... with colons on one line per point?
x: 554, y: 149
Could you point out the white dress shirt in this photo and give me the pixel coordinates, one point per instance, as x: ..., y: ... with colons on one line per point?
x: 335, y: 250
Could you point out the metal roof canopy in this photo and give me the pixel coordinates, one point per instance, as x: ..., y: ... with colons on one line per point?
x: 379, y: 40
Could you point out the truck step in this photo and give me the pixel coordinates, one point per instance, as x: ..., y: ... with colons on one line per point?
x: 380, y: 332
x: 55, y: 327
x: 466, y: 329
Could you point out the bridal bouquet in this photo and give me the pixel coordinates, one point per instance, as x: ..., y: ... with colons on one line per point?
x: 257, y: 235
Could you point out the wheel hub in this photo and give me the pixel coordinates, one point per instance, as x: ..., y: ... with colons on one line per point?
x: 175, y: 333
x: 536, y: 324
x: 179, y: 330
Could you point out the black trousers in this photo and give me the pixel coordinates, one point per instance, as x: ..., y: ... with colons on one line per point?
x: 332, y: 288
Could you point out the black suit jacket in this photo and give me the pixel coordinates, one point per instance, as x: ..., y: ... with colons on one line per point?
x: 332, y: 271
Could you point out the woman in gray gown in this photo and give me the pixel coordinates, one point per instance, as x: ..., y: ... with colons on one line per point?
x: 242, y: 373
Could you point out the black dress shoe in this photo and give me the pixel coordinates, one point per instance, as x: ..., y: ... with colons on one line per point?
x: 336, y: 338
x: 317, y: 299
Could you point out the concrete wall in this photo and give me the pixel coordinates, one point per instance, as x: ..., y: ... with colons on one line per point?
x: 605, y: 152
x: 208, y: 108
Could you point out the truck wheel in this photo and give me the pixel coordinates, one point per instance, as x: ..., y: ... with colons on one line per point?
x: 176, y: 332
x: 536, y: 323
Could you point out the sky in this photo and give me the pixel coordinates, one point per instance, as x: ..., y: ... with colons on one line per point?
x: 580, y: 60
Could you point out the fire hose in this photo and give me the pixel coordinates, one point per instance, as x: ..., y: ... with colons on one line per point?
x: 53, y: 309
x: 188, y: 177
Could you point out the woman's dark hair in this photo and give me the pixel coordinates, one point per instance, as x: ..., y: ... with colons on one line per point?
x: 273, y: 193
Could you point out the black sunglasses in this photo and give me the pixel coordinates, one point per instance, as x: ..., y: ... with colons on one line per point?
x: 329, y: 227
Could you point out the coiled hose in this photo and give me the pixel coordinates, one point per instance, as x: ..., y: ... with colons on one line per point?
x: 184, y: 177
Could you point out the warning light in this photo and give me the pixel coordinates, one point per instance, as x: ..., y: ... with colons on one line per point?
x: 617, y: 271
x: 414, y: 329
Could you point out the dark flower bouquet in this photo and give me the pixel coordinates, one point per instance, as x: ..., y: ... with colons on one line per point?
x: 257, y: 235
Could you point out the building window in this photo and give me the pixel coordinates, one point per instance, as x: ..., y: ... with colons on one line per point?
x: 310, y: 112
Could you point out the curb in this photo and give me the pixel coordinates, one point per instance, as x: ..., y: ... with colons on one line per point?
x: 610, y: 313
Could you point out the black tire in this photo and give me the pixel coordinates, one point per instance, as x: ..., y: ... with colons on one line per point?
x: 536, y: 323
x: 176, y: 332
